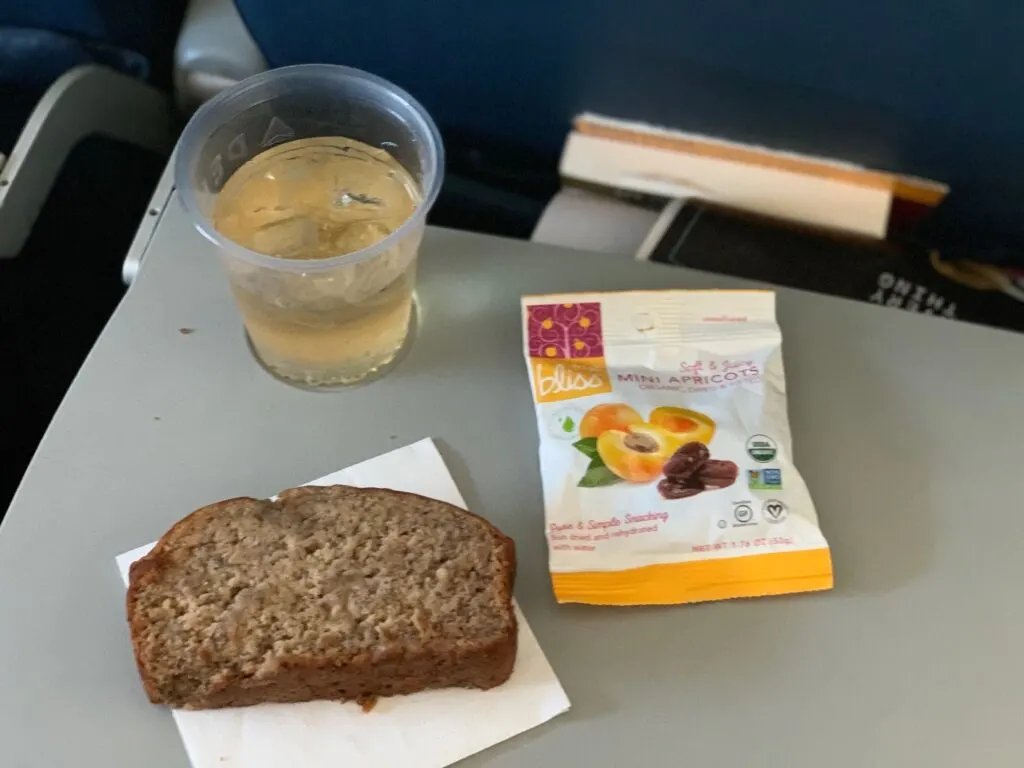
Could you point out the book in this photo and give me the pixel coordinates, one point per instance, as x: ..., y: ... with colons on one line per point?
x: 652, y: 161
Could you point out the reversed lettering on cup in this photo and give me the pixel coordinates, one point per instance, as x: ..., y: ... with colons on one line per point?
x: 276, y: 132
x: 216, y: 172
x: 237, y: 149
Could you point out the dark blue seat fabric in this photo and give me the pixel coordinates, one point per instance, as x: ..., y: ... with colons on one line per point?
x: 39, y: 41
x: 31, y: 59
x: 146, y: 29
x: 935, y: 88
x: 127, y: 23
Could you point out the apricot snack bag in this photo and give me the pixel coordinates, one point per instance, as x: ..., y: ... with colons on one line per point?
x: 665, y: 449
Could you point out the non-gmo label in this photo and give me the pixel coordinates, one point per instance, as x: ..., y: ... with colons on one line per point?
x: 764, y: 479
x: 762, y: 448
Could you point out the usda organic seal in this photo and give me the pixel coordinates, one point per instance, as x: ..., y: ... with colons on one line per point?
x: 762, y: 448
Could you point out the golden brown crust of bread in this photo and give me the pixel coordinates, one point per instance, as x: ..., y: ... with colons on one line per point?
x: 307, y: 678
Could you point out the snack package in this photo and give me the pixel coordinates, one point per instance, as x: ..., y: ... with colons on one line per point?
x: 665, y: 450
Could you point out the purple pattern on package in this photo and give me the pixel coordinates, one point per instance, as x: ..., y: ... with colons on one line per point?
x: 565, y: 330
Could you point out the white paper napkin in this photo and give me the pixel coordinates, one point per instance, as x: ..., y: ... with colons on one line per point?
x: 434, y: 728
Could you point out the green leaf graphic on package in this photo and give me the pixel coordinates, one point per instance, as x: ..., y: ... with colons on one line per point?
x: 597, y: 474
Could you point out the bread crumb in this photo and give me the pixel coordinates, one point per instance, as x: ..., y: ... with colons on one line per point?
x: 367, y: 703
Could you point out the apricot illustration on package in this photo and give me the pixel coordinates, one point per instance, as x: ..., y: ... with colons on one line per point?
x: 607, y: 416
x: 622, y: 447
x: 684, y: 425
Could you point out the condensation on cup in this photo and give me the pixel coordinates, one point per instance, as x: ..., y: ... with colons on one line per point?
x: 314, y: 182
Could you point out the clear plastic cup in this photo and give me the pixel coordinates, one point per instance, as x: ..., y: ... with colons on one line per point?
x: 333, y: 320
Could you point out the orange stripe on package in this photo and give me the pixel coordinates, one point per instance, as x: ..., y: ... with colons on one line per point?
x: 665, y: 451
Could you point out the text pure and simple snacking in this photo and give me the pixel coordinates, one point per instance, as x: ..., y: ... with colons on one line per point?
x: 665, y: 448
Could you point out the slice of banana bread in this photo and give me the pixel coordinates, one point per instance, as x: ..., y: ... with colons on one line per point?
x: 326, y: 593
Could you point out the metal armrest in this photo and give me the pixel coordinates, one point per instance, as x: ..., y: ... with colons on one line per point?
x: 84, y: 101
x: 214, y: 51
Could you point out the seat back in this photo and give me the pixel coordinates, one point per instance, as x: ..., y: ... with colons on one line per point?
x: 934, y: 89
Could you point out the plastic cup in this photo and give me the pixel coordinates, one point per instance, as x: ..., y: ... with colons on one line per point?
x: 328, y: 321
